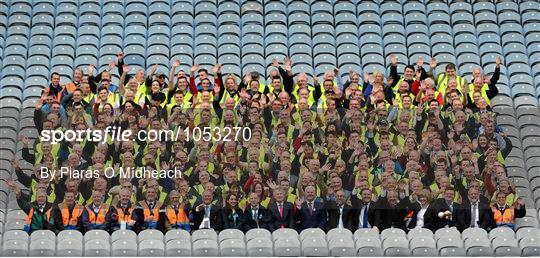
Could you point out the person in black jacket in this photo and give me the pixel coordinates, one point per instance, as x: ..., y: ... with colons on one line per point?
x: 391, y: 212
x: 474, y: 213
x: 340, y: 214
x: 281, y: 211
x: 232, y: 216
x: 365, y: 209
x: 311, y: 213
x: 442, y: 212
x: 255, y: 215
x: 206, y: 214
x: 150, y: 212
x: 419, y: 210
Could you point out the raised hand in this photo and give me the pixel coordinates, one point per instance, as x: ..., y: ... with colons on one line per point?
x: 275, y: 62
x: 393, y: 59
x: 194, y: 68
x: 120, y: 55
x: 366, y: 76
x: 112, y: 64
x: 336, y: 71
x: 15, y: 163
x: 125, y: 68
x: 433, y: 63
x: 498, y: 61
x: 175, y: 64
x: 287, y: 63
x: 420, y: 62
x: 91, y: 69
x: 217, y: 68
x: 24, y: 139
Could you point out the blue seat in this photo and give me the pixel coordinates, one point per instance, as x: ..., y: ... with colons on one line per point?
x: 298, y: 7
x: 233, y: 8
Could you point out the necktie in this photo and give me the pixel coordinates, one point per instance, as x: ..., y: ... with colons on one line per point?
x: 340, y: 224
x: 207, y: 211
x: 255, y: 214
x: 473, y: 216
x: 310, y: 207
x: 281, y: 210
x: 365, y: 220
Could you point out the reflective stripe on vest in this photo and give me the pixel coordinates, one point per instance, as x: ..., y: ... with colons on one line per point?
x: 122, y: 217
x: 75, y: 214
x: 504, y: 219
x: 100, y: 218
x: 146, y: 210
x: 176, y: 218
x: 31, y: 215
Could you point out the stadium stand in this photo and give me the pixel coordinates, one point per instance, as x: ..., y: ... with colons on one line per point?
x: 376, y: 128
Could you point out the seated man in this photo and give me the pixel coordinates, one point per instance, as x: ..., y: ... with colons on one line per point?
x: 256, y: 216
x: 442, y: 211
x: 177, y: 212
x: 95, y: 213
x: 281, y: 211
x: 206, y: 214
x: 474, y: 213
x: 149, y: 213
x: 504, y: 215
x: 311, y: 213
x: 40, y: 213
x: 71, y: 213
x: 122, y: 216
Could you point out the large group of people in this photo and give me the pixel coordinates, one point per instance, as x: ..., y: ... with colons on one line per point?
x: 414, y: 149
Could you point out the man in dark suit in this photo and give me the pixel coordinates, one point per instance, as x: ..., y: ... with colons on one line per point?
x: 206, y: 214
x: 365, y: 209
x: 340, y: 214
x: 311, y: 213
x: 442, y: 212
x: 255, y: 215
x: 149, y: 212
x: 474, y: 213
x: 281, y: 211
x: 391, y: 212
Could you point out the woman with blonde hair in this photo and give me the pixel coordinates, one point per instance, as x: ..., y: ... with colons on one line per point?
x: 418, y: 209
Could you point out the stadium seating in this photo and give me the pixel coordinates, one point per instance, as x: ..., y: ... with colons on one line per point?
x: 39, y: 37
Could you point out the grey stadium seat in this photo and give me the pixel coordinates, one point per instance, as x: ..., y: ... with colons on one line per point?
x: 259, y: 247
x: 97, y: 247
x: 178, y: 247
x: 423, y: 246
x: 124, y: 247
x: 42, y: 247
x: 287, y: 247
x: 232, y: 247
x: 395, y: 246
x: 205, y: 247
x: 151, y: 247
x: 503, y: 246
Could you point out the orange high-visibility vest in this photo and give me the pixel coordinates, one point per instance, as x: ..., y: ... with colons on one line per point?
x: 506, y: 218
x: 69, y: 88
x: 174, y: 217
x: 75, y: 214
x: 100, y: 218
x: 31, y: 215
x: 122, y: 217
x: 146, y: 210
